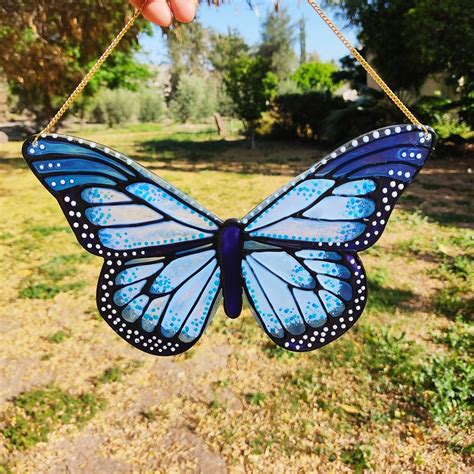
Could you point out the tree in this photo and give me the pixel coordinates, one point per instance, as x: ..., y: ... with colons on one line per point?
x: 224, y: 48
x: 408, y: 40
x: 316, y: 77
x: 47, y: 45
x: 251, y: 85
x: 302, y: 39
x: 195, y: 98
x: 188, y: 51
x: 277, y: 43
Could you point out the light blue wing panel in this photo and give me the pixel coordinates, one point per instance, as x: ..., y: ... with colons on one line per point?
x: 306, y: 299
x: 114, y: 206
x: 346, y: 199
x: 161, y: 305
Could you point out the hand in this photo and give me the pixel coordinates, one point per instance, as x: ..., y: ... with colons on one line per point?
x: 161, y: 12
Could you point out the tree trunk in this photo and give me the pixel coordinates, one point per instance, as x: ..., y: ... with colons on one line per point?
x: 252, y: 139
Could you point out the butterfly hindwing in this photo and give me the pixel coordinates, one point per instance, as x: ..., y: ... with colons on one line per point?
x: 160, y: 283
x: 161, y: 305
x: 346, y: 199
x: 304, y: 299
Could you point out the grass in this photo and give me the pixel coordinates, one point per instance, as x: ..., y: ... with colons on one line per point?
x: 394, y: 393
x: 46, y: 231
x: 357, y: 457
x: 455, y: 299
x: 58, y: 337
x: 36, y: 413
x: 52, y: 274
x: 381, y: 296
x: 440, y: 384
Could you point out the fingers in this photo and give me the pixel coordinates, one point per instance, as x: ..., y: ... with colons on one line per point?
x: 161, y: 12
x: 184, y: 10
x: 156, y: 11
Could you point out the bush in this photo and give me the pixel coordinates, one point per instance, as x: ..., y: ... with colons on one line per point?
x: 302, y: 115
x: 195, y: 98
x: 316, y: 77
x: 152, y: 105
x: 114, y: 107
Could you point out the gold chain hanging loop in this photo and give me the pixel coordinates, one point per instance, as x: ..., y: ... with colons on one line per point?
x: 370, y: 70
x: 87, y: 78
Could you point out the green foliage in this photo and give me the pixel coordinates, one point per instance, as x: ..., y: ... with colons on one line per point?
x: 51, y: 274
x: 449, y: 383
x: 119, y: 106
x: 195, y: 98
x: 120, y: 71
x: 188, y: 50
x: 57, y: 337
x: 112, y: 374
x: 46, y: 291
x: 447, y: 127
x: 458, y: 337
x: 358, y: 457
x: 389, y: 356
x: 411, y: 39
x: 45, y: 47
x: 276, y: 352
x: 251, y: 86
x: 382, y: 297
x: 34, y: 414
x: 350, y: 119
x: 114, y: 107
x: 277, y: 43
x: 224, y: 48
x: 302, y: 116
x: 442, y: 384
x: 256, y: 398
x: 454, y: 299
x: 45, y: 231
x: 317, y: 77
x: 151, y: 106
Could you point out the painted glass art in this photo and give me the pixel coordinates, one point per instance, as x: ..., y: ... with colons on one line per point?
x: 168, y: 261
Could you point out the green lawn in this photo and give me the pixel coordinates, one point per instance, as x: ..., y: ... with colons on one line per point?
x: 393, y: 395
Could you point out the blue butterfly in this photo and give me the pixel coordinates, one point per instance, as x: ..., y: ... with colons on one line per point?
x: 168, y: 261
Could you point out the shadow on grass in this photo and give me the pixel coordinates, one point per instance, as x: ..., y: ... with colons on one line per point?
x: 269, y: 157
x: 382, y: 298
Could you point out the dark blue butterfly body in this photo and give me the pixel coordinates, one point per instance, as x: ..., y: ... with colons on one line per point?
x: 168, y: 261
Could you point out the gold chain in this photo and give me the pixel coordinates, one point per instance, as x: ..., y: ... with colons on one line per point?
x: 78, y: 90
x: 370, y: 70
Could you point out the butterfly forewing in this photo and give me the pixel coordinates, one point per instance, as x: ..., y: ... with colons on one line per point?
x: 346, y: 199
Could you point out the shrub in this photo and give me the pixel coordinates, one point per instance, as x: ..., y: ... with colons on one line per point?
x: 114, y: 107
x: 195, y: 98
x: 316, y: 77
x: 151, y: 105
x: 303, y: 115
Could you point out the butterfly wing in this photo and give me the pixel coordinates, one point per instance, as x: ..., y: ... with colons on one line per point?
x: 158, y: 244
x: 346, y: 199
x: 304, y: 299
x: 161, y: 305
x: 336, y: 208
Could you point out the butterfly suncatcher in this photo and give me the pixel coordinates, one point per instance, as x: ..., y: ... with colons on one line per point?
x: 168, y: 261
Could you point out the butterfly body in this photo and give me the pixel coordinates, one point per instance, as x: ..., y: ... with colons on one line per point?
x: 168, y: 262
x: 230, y: 247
